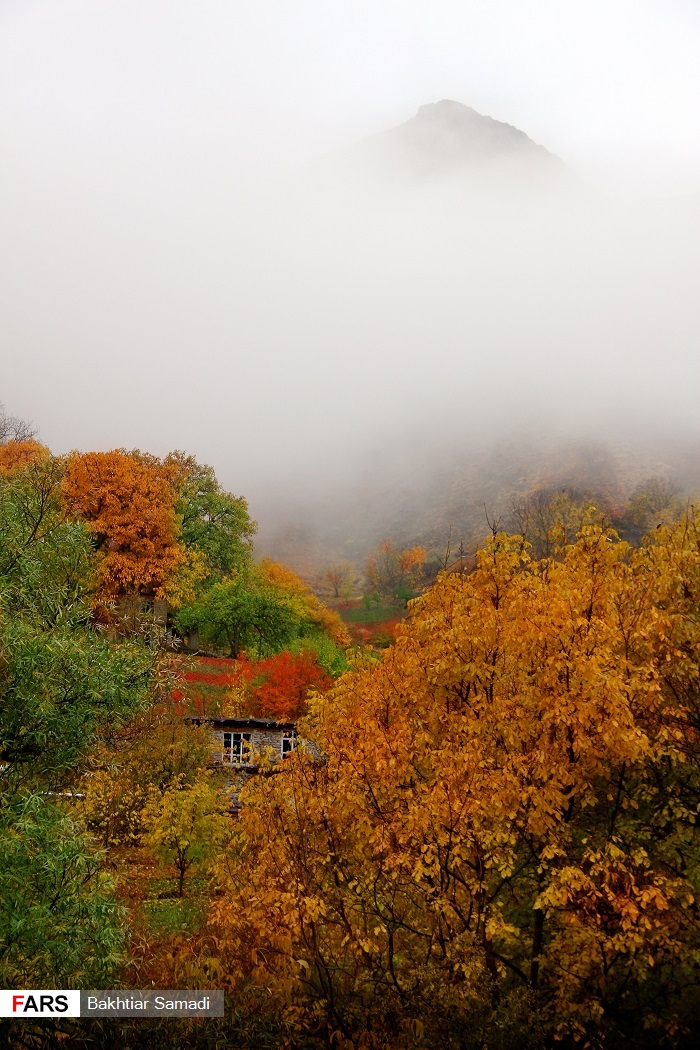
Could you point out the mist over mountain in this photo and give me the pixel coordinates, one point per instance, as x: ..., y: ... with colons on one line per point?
x: 448, y: 132
x: 447, y: 140
x: 503, y: 329
x: 454, y: 494
x: 379, y: 343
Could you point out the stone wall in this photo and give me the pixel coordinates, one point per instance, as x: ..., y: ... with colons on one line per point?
x: 264, y: 741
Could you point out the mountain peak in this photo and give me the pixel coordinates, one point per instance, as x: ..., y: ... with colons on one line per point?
x: 457, y: 131
x: 446, y: 107
x: 447, y: 138
x: 447, y: 141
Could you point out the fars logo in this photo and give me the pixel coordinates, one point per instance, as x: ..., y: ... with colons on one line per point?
x: 41, y: 1002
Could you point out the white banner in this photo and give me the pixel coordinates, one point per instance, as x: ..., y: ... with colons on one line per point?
x: 42, y: 1002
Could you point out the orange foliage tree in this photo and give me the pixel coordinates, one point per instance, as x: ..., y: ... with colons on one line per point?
x: 503, y: 829
x: 277, y: 687
x: 17, y: 455
x: 127, y: 501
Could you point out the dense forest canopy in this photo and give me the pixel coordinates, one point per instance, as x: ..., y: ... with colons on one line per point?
x: 489, y: 823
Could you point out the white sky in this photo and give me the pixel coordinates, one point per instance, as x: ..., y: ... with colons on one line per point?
x: 132, y: 299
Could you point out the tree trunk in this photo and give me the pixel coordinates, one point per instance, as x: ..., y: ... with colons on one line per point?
x: 537, y: 937
x: 234, y: 641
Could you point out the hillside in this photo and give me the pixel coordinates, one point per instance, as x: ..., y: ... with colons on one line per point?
x: 456, y: 486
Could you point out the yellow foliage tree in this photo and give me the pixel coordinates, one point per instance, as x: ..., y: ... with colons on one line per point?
x: 181, y: 587
x: 503, y: 823
x: 187, y: 824
x: 154, y: 752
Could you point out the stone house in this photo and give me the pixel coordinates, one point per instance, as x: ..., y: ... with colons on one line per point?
x: 238, y: 743
x: 235, y: 742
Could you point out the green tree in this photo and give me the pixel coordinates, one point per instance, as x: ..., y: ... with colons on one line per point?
x: 63, y: 686
x: 214, y: 521
x: 242, y: 612
x: 60, y: 925
x: 60, y: 679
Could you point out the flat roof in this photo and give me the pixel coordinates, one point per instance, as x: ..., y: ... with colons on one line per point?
x: 241, y: 723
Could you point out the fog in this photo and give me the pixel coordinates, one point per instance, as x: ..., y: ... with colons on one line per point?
x: 331, y: 315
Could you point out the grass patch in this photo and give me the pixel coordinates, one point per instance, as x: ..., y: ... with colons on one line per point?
x: 166, y: 913
x: 175, y: 915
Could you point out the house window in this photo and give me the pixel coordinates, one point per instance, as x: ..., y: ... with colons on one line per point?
x: 288, y: 742
x: 237, y: 748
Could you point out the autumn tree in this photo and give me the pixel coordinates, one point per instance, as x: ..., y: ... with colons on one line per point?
x: 340, y: 577
x: 186, y: 824
x: 394, y: 572
x: 155, y: 751
x: 127, y: 502
x: 16, y: 455
x: 282, y: 685
x: 549, y: 518
x: 14, y: 429
x: 504, y: 821
x: 655, y: 501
